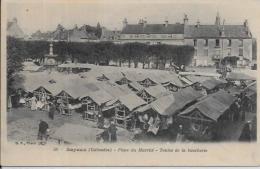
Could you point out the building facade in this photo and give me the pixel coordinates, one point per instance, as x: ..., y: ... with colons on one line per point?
x: 14, y: 30
x: 212, y: 43
x: 172, y: 34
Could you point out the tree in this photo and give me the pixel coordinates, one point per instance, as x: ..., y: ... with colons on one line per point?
x: 15, y: 55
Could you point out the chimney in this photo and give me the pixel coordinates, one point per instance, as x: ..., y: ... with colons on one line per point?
x: 247, y: 27
x: 217, y: 22
x: 246, y: 23
x: 166, y: 22
x: 198, y: 24
x: 185, y: 19
x: 145, y: 22
x: 124, y: 23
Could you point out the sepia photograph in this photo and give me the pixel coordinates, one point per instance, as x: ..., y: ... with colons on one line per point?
x: 109, y: 73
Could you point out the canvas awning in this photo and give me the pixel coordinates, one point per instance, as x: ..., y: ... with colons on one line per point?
x: 210, y: 107
x: 136, y: 86
x: 156, y: 91
x: 211, y: 83
x: 131, y: 101
x: 239, y: 76
x: 100, y: 97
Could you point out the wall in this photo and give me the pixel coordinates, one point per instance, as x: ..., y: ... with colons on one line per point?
x: 203, y: 54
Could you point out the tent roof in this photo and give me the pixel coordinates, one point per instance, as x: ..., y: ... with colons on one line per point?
x: 114, y: 76
x: 165, y: 77
x: 210, y: 107
x: 74, y: 65
x: 100, y: 97
x: 136, y: 86
x: 197, y: 79
x: 211, y: 83
x: 239, y: 76
x: 131, y: 101
x: 223, y: 97
x: 134, y: 76
x: 164, y: 105
x: 170, y: 104
x: 156, y: 91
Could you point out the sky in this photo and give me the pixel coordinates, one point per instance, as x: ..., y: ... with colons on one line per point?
x: 44, y: 15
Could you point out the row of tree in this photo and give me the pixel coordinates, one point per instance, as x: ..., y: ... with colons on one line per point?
x: 102, y: 53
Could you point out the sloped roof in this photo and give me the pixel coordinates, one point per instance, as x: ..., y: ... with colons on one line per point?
x: 136, y: 86
x: 164, y: 105
x: 197, y: 79
x: 171, y: 103
x: 114, y: 76
x: 211, y: 83
x: 187, y: 95
x: 164, y: 78
x: 210, y: 31
x: 131, y: 101
x: 133, y: 76
x: 125, y: 88
x: 223, y: 97
x: 239, y: 76
x: 74, y: 65
x: 153, y: 29
x: 209, y: 107
x: 100, y: 97
x: 156, y: 91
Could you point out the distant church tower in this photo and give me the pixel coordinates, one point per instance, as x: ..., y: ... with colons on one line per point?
x: 217, y: 22
x: 50, y: 60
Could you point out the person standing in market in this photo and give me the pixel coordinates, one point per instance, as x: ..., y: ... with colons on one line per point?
x: 43, y: 130
x: 100, y: 120
x: 52, y: 111
x: 112, y: 132
x: 246, y: 134
x: 180, y: 135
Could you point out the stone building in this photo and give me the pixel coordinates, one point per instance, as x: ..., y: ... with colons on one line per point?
x: 212, y: 43
x: 143, y: 32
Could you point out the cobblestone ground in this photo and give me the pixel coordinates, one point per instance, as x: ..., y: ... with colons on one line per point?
x: 22, y: 125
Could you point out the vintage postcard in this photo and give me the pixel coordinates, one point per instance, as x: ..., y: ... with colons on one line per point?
x: 129, y: 83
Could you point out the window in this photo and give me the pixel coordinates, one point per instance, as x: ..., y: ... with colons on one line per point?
x: 206, y: 42
x: 136, y: 36
x: 240, y: 52
x: 229, y: 42
x: 206, y: 52
x: 148, y: 36
x: 169, y: 36
x: 195, y: 42
x: 217, y: 42
x: 131, y: 36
